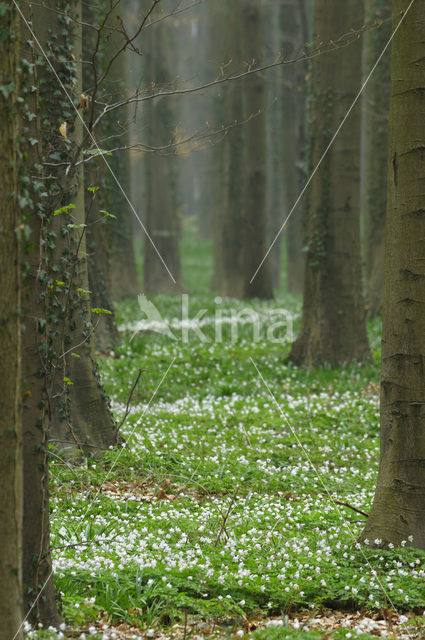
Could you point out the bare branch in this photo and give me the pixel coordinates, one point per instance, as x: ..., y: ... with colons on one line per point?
x: 130, y: 397
x: 333, y: 45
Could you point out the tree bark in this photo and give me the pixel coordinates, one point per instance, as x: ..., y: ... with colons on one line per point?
x: 79, y: 411
x: 123, y: 276
x: 36, y: 562
x: 398, y: 509
x: 218, y: 175
x: 89, y: 424
x: 275, y: 147
x: 294, y: 35
x: 376, y: 112
x: 11, y: 614
x: 241, y: 224
x: 229, y: 217
x: 162, y: 219
x: 333, y: 326
x: 254, y: 215
x: 98, y: 226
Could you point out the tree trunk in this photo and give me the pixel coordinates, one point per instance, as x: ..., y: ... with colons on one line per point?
x: 79, y: 410
x: 241, y: 225
x: 227, y: 156
x: 333, y: 326
x: 37, y: 566
x: 105, y: 329
x: 11, y: 614
x: 295, y: 34
x: 230, y: 216
x: 274, y: 125
x: 123, y: 276
x: 398, y: 509
x: 254, y: 218
x: 376, y: 109
x: 89, y: 424
x: 96, y: 175
x: 162, y: 218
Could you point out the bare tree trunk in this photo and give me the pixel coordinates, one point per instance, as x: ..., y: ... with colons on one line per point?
x: 254, y: 219
x: 398, y: 509
x: 333, y: 327
x: 274, y: 126
x: 11, y: 614
x: 241, y: 224
x: 123, y: 278
x: 376, y: 106
x: 295, y: 34
x: 228, y: 167
x: 162, y: 218
x: 218, y: 175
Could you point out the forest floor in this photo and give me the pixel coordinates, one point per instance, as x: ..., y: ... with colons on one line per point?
x: 233, y: 507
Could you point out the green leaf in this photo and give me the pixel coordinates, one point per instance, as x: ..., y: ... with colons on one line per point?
x: 100, y: 311
x: 65, y: 209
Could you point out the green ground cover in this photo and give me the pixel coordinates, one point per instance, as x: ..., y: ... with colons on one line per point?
x: 220, y: 505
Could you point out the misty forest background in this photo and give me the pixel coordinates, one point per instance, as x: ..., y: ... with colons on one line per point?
x: 168, y: 470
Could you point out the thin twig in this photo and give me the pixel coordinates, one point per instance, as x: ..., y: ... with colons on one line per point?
x: 127, y: 409
x: 223, y: 524
x: 349, y: 506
